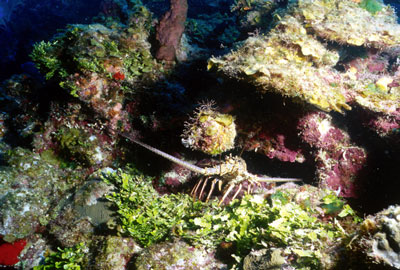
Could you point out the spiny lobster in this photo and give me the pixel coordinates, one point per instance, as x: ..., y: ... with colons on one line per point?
x: 230, y: 173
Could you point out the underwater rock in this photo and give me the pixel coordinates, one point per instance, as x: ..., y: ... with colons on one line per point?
x: 254, y: 14
x: 79, y: 218
x: 274, y: 148
x: 169, y: 30
x: 70, y: 229
x: 6, y: 10
x: 34, y: 251
x: 175, y: 178
x: 338, y: 160
x: 266, y: 260
x: 385, y: 126
x: 379, y: 73
x: 331, y: 20
x: 3, y: 127
x: 29, y: 188
x: 176, y: 256
x: 89, y: 201
x: 19, y: 101
x: 290, y: 62
x: 208, y: 33
x: 272, y: 136
x: 115, y: 253
x: 383, y: 239
x: 47, y: 198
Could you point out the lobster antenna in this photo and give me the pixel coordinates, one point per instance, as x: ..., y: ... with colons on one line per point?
x: 277, y: 179
x: 187, y: 165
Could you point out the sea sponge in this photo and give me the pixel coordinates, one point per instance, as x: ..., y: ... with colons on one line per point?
x: 210, y: 131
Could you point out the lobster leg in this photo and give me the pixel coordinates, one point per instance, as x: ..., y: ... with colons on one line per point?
x: 211, y: 189
x: 220, y: 185
x: 226, y: 194
x: 203, y: 187
x: 196, y: 187
x: 237, y: 192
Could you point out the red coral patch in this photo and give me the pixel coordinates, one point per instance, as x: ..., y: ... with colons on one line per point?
x: 9, y: 252
x: 119, y: 76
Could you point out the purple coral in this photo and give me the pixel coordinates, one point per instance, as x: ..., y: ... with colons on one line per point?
x: 338, y: 161
x: 271, y: 137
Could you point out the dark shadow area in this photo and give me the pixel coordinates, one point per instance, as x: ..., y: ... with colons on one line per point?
x: 380, y: 177
x: 32, y: 21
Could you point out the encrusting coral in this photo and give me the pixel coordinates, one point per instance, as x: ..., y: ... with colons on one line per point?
x: 285, y: 61
x: 100, y: 64
x: 210, y: 131
x: 338, y: 160
x: 294, y: 59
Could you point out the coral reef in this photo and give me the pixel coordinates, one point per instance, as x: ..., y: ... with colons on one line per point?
x: 378, y: 70
x: 295, y: 60
x: 302, y: 96
x: 292, y: 61
x: 338, y: 161
x: 99, y: 64
x: 76, y: 138
x: 271, y: 135
x: 270, y: 64
x: 78, y: 219
x: 325, y: 20
x: 175, y: 178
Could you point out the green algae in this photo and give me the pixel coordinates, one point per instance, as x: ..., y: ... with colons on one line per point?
x: 145, y: 215
x: 77, y: 145
x: 67, y: 258
x: 250, y: 223
x: 372, y: 6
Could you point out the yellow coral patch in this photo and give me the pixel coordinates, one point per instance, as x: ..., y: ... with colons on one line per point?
x: 383, y: 83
